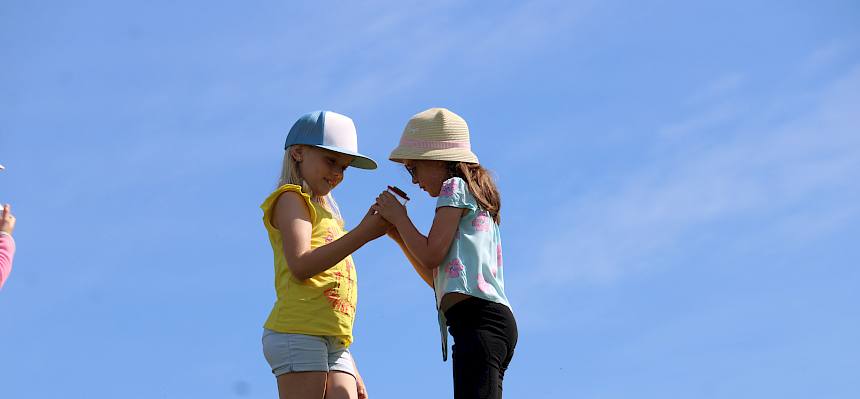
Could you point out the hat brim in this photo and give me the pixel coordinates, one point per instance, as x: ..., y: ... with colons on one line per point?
x: 359, y: 161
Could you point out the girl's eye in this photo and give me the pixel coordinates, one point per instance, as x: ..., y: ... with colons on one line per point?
x: 333, y: 162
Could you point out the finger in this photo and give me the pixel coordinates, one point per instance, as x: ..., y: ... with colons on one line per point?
x: 390, y: 197
x: 6, y: 209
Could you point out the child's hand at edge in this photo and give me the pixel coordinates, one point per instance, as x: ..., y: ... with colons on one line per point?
x: 359, y: 385
x: 7, y: 220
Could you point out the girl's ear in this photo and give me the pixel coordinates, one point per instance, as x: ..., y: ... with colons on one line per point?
x: 451, y: 167
x: 296, y: 152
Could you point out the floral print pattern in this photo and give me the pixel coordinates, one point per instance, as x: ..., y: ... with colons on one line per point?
x: 481, y: 222
x: 495, y: 268
x: 455, y: 267
x: 448, y: 188
x: 484, y: 286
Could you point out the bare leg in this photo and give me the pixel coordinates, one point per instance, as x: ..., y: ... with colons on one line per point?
x: 340, y: 385
x: 307, y: 385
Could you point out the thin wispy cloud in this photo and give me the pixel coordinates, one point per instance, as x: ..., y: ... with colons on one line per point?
x: 763, y: 168
x: 709, y: 120
x: 424, y: 40
x: 828, y: 54
x: 722, y: 86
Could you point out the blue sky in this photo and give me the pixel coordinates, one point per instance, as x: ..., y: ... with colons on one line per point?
x: 679, y: 183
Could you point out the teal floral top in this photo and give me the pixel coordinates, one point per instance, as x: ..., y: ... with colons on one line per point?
x: 473, y: 265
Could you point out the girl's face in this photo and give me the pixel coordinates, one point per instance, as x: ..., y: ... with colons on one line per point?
x: 429, y: 175
x: 321, y: 169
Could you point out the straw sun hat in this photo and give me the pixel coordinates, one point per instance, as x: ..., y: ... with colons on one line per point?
x: 435, y: 134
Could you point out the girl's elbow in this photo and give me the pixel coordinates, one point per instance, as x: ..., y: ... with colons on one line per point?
x: 301, y: 277
x: 298, y: 272
x: 432, y: 262
x: 436, y: 254
x: 434, y: 258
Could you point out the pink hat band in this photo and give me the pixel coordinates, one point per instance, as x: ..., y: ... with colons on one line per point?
x: 434, y: 145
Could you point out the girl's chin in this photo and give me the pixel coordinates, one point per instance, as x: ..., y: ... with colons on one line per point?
x: 430, y: 193
x: 321, y: 190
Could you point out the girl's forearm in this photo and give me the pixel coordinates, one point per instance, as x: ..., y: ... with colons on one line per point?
x: 425, y: 274
x: 417, y: 244
x: 317, y: 260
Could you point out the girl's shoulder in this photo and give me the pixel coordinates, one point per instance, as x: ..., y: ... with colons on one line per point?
x: 275, y: 195
x: 298, y: 199
x: 290, y: 187
x: 455, y: 192
x: 454, y: 185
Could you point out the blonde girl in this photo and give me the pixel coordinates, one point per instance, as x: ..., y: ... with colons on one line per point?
x: 307, y: 335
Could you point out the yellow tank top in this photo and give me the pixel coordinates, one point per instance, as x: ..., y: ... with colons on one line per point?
x: 323, y: 304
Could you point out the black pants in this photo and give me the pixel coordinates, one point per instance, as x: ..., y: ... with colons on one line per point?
x: 485, y: 334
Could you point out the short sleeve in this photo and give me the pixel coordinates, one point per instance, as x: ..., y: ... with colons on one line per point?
x: 268, y: 206
x: 455, y: 193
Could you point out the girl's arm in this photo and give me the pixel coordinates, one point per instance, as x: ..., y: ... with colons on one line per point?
x: 7, y: 252
x: 292, y: 218
x: 428, y: 251
x: 7, y: 243
x: 425, y: 274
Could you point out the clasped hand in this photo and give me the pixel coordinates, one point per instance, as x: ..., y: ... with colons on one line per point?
x: 389, y: 207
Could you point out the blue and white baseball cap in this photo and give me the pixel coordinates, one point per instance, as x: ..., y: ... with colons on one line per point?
x: 331, y: 131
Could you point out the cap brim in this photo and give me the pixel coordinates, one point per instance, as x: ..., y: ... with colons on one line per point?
x: 360, y: 161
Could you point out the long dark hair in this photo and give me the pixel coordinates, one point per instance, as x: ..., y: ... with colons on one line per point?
x: 481, y: 185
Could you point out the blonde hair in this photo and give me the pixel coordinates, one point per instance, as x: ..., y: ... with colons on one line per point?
x: 481, y: 185
x: 291, y: 174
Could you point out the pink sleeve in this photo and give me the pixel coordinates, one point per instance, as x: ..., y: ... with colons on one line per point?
x: 7, y: 252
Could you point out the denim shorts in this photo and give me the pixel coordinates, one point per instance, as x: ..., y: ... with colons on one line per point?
x: 291, y: 353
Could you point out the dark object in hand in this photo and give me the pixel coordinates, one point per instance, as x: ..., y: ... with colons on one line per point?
x: 399, y: 192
